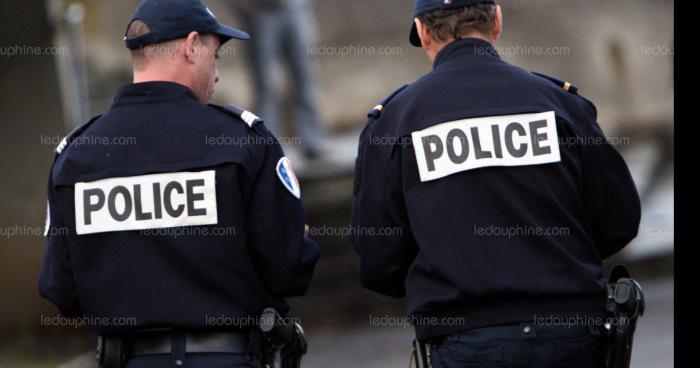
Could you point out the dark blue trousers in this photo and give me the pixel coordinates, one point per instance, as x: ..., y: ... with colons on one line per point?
x: 522, y: 346
x: 191, y: 361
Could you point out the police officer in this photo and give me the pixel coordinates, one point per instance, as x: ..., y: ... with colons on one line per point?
x: 489, y: 196
x: 172, y: 223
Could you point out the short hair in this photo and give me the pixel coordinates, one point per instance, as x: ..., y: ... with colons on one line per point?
x: 443, y: 25
x: 159, y: 52
x: 137, y: 29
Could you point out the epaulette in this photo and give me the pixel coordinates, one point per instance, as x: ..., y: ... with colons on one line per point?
x: 74, y: 133
x: 245, y: 115
x: 566, y: 86
x: 376, y: 112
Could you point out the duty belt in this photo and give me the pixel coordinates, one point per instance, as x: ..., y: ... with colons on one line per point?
x: 211, y: 342
x: 114, y: 351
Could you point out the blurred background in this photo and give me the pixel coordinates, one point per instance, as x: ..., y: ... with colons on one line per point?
x: 61, y: 61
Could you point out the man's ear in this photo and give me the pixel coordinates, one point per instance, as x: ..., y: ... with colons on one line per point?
x: 192, y: 42
x: 498, y: 26
x: 425, y: 38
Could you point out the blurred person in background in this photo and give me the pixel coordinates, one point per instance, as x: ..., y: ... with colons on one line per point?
x: 283, y: 31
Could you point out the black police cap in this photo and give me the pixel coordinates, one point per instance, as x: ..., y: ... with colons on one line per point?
x: 172, y: 19
x: 428, y: 6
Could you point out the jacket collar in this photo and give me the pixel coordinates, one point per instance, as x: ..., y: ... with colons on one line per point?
x: 150, y: 92
x: 465, y: 47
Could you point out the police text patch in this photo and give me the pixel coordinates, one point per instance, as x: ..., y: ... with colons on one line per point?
x: 146, y: 202
x: 462, y: 145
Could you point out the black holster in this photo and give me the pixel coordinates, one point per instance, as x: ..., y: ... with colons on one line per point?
x: 110, y: 352
x: 625, y: 305
x: 281, y: 339
x: 421, y: 354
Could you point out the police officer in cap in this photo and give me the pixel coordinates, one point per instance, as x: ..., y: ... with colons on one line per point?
x: 503, y: 198
x: 173, y: 224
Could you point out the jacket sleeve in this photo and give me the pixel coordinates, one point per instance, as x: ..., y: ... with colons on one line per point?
x: 56, y: 281
x: 284, y: 256
x: 610, y: 195
x: 381, y: 232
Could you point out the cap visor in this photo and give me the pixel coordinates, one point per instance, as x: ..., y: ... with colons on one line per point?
x: 226, y: 33
x: 415, y: 40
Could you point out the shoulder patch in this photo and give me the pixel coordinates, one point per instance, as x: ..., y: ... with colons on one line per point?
x: 74, y: 133
x: 376, y: 112
x: 47, y: 223
x: 286, y: 174
x: 248, y: 117
x: 568, y: 87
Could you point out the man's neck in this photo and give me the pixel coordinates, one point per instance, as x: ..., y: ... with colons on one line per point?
x: 159, y: 76
x: 438, y: 47
x: 479, y: 36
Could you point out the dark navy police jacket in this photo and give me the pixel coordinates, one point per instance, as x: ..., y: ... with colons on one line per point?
x: 168, y: 213
x: 489, y: 195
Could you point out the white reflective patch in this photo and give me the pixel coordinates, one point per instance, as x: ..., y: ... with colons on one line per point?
x: 462, y: 145
x: 146, y: 202
x: 62, y: 145
x: 249, y: 118
x: 47, y: 224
